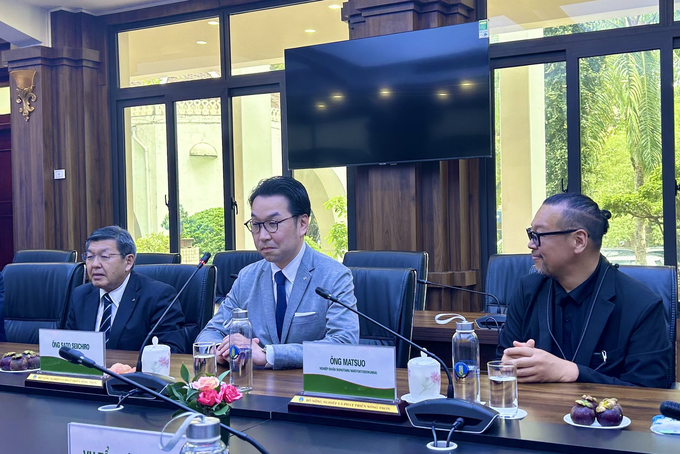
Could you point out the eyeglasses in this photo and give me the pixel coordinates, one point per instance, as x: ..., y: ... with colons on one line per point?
x: 269, y: 226
x: 102, y: 258
x: 536, y: 237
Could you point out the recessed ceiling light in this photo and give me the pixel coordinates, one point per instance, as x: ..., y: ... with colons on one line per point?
x: 334, y: 6
x: 385, y: 92
x: 337, y: 96
x: 201, y: 42
x: 321, y: 106
x: 310, y: 30
x: 213, y: 22
x: 443, y: 94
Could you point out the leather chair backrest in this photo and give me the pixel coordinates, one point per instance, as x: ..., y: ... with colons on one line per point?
x: 37, y: 296
x: 662, y: 280
x: 386, y: 295
x: 157, y: 258
x: 502, y: 277
x: 394, y: 259
x: 229, y: 263
x: 196, y: 299
x: 44, y: 256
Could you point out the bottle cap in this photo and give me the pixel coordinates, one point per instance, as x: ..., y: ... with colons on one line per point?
x: 207, y: 429
x: 239, y: 313
x: 464, y: 326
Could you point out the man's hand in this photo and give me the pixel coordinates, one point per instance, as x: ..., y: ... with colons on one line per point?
x: 536, y: 365
x: 258, y: 355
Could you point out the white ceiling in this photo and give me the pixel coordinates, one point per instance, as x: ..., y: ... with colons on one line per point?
x: 97, y: 7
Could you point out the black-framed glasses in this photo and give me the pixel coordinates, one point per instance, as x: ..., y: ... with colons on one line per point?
x: 536, y: 237
x: 102, y: 258
x: 269, y: 226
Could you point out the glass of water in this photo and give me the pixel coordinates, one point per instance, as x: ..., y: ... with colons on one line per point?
x: 205, y: 358
x: 503, y: 388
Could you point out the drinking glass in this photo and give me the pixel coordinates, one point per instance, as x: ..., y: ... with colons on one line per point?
x: 205, y: 358
x: 503, y: 388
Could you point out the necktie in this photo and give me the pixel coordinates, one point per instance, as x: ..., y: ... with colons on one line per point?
x: 105, y: 325
x: 280, y: 301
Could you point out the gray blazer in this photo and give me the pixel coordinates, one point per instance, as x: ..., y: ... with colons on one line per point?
x: 308, y: 316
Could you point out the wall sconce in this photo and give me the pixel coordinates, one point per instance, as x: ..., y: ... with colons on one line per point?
x: 25, y: 96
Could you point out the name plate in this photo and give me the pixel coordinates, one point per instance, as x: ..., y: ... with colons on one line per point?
x: 360, y: 371
x: 90, y: 343
x: 345, y: 404
x: 92, y: 439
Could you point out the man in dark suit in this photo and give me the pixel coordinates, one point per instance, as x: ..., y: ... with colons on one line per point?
x: 3, y: 337
x: 119, y: 302
x: 580, y: 318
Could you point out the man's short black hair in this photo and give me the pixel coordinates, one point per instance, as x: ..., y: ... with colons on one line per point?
x: 290, y: 188
x: 124, y: 242
x: 581, y: 212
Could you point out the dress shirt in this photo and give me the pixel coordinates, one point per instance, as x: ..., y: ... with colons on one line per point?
x: 115, y: 295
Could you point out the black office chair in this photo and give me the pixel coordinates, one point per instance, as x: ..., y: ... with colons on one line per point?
x: 388, y: 296
x: 37, y: 296
x: 229, y: 263
x: 44, y: 256
x: 662, y: 280
x: 394, y: 259
x: 196, y: 300
x: 502, y: 276
x: 157, y: 258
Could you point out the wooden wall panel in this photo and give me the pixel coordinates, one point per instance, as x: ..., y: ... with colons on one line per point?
x: 6, y: 227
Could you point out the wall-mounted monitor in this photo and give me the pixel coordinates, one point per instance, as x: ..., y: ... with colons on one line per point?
x: 415, y: 96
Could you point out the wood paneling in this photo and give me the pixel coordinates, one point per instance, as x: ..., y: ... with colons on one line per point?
x: 69, y: 130
x: 6, y: 228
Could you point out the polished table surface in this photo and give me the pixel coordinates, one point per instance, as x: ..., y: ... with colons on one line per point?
x: 425, y: 328
x: 543, y: 428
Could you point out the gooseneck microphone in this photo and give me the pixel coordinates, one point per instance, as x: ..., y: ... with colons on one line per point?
x: 442, y: 414
x: 452, y: 287
x: 76, y: 357
x: 201, y: 262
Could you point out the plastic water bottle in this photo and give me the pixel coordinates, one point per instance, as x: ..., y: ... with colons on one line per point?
x: 241, y: 352
x: 203, y: 437
x: 465, y: 347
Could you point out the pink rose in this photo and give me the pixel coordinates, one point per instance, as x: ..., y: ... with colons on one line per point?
x: 205, y: 383
x: 229, y: 393
x: 209, y: 397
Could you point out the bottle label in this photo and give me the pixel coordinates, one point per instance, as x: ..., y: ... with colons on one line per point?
x: 461, y: 369
x: 234, y: 351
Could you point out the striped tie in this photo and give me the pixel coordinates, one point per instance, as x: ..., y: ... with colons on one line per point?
x: 105, y: 325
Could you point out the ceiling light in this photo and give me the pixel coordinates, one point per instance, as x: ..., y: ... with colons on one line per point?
x: 310, y: 30
x: 201, y: 42
x: 321, y: 106
x: 334, y: 6
x: 337, y: 96
x: 443, y: 94
x: 385, y: 92
x: 213, y: 22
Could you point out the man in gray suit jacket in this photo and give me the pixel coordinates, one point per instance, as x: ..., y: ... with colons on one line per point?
x: 279, y: 291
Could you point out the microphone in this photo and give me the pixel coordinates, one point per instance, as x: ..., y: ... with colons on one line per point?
x: 201, y: 262
x: 487, y: 321
x: 76, y: 357
x: 428, y: 414
x: 670, y: 409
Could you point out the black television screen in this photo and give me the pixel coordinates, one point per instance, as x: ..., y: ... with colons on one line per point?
x: 415, y: 96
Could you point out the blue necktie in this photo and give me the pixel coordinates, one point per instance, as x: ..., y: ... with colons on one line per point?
x: 105, y: 325
x: 280, y: 301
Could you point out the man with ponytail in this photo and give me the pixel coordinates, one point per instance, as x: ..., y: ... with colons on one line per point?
x: 580, y: 318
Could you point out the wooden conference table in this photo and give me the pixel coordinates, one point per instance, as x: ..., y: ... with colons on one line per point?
x: 264, y: 413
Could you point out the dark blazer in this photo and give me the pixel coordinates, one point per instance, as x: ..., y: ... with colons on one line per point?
x: 143, y: 302
x: 627, y: 322
x: 3, y: 337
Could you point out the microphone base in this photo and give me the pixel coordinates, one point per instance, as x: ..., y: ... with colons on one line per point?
x: 155, y: 382
x: 443, y: 413
x: 491, y: 321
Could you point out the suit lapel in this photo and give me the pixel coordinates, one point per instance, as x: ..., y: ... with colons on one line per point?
x: 601, y: 311
x: 268, y: 301
x: 90, y: 309
x: 545, y: 314
x: 302, y: 279
x: 125, y: 310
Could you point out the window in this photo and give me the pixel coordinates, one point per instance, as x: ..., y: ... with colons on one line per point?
x: 5, y: 101
x: 169, y: 53
x: 512, y: 20
x: 621, y: 152
x: 531, y: 146
x: 259, y: 38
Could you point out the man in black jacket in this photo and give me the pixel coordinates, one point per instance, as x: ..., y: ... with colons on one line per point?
x: 579, y: 318
x: 120, y: 303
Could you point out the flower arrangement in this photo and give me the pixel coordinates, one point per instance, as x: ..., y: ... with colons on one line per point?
x: 205, y: 394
